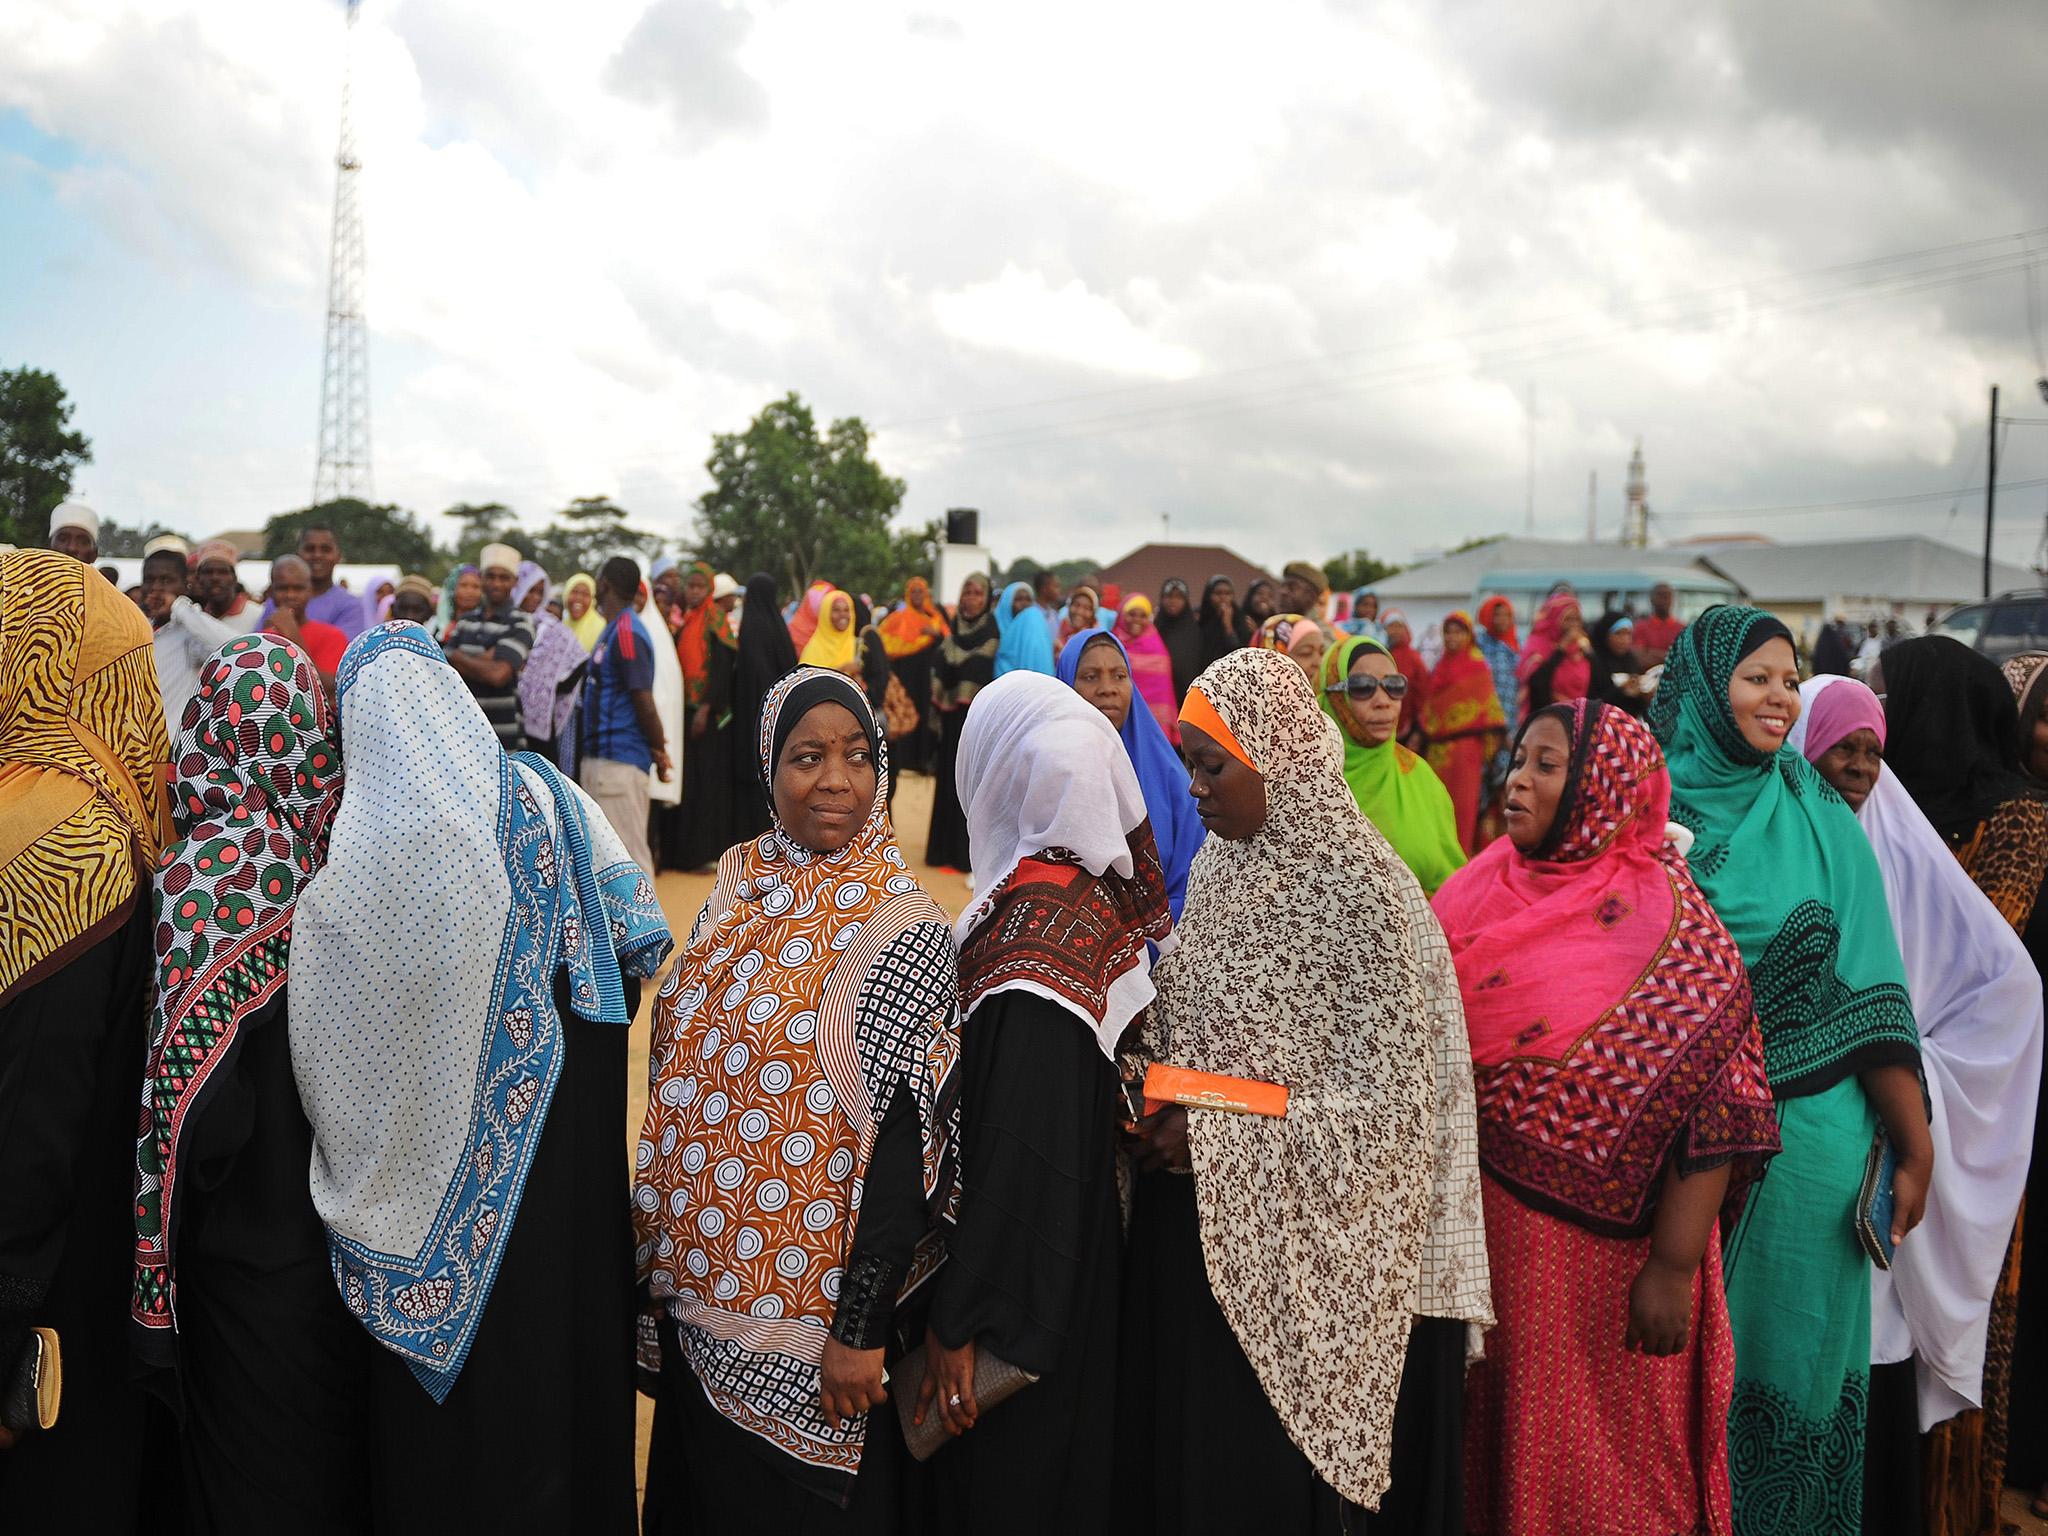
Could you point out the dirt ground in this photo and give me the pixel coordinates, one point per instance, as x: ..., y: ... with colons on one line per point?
x: 682, y: 895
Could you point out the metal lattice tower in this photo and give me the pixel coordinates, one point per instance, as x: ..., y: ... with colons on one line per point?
x: 344, y: 467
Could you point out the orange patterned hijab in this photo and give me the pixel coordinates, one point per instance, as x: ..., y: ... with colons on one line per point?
x: 814, y: 987
x: 83, y: 752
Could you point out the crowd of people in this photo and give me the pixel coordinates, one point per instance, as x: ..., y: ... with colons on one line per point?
x: 1633, y: 1138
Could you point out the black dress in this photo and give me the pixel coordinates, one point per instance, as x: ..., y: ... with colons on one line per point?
x: 537, y: 1434
x: 272, y: 1373
x: 1032, y: 1274
x: 705, y: 1474
x: 966, y: 664
x: 766, y: 656
x: 1202, y: 1450
x: 705, y: 823
x: 72, y: 1047
x: 914, y: 753
x: 1183, y: 636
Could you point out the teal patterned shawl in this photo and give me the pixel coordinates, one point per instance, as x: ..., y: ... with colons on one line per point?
x: 1781, y: 857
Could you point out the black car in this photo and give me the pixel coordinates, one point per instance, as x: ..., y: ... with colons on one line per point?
x: 2006, y: 625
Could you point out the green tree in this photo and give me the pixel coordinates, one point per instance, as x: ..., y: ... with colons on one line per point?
x: 366, y: 534
x: 786, y: 500
x: 115, y: 540
x: 38, y: 454
x: 481, y: 523
x: 1356, y: 568
x: 1476, y: 543
x: 585, y: 534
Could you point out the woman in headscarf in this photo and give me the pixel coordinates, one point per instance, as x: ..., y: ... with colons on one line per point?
x: 82, y: 815
x: 2028, y: 674
x: 1097, y: 667
x: 1977, y: 1001
x: 1792, y: 876
x: 1299, y: 637
x: 1224, y: 626
x: 1397, y: 790
x: 799, y: 1144
x: 529, y: 587
x: 1616, y: 678
x: 1053, y: 966
x: 1956, y: 742
x: 709, y: 655
x: 766, y: 656
x: 664, y: 795
x: 1083, y: 612
x: 462, y: 591
x: 1409, y: 663
x: 1025, y: 646
x: 1365, y: 615
x: 871, y: 670
x: 459, y: 1046
x: 835, y: 642
x: 579, y: 603
x: 233, y: 1295
x: 1181, y: 629
x: 1297, y: 1312
x: 1261, y: 602
x: 550, y: 687
x: 912, y: 634
x: 1581, y: 943
x: 1502, y: 649
x: 810, y: 610
x: 1462, y: 717
x: 1555, y: 667
x: 966, y: 665
x: 1150, y: 662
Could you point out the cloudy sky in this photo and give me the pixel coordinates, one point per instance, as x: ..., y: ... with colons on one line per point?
x: 1289, y: 275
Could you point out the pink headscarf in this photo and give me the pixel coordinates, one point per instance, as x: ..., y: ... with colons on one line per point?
x: 1574, y: 676
x: 1839, y: 710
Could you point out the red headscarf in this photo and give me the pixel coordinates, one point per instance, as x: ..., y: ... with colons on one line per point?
x: 1574, y: 676
x: 1609, y: 1010
x: 1488, y: 609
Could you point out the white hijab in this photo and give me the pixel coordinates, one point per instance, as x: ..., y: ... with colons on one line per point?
x: 668, y: 705
x: 1040, y: 768
x: 1977, y: 1000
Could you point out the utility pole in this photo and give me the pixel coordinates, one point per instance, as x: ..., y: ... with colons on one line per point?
x: 1990, y: 490
x: 1592, y: 505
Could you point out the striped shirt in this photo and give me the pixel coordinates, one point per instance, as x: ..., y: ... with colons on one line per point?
x: 507, y: 634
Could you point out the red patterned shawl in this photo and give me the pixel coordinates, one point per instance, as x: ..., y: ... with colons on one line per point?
x: 1609, y: 1011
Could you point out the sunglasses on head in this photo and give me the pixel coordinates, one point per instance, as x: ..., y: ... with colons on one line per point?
x: 1365, y: 685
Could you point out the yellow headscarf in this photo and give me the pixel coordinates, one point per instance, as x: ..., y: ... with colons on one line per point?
x: 82, y: 757
x: 591, y: 625
x: 829, y: 647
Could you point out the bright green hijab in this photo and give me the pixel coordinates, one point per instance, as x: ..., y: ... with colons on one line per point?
x: 1399, y: 792
x: 1787, y: 867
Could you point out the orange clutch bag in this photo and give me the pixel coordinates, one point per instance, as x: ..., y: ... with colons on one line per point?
x: 1166, y: 1084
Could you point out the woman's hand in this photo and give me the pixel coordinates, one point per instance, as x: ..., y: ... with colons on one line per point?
x: 1910, y: 1178
x: 1659, y: 1308
x: 949, y: 1381
x: 850, y: 1382
x: 1162, y: 1140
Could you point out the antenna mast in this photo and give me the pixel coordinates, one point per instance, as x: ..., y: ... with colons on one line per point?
x: 344, y: 464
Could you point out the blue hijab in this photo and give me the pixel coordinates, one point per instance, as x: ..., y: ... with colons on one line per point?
x: 1161, y: 775
x: 1026, y: 644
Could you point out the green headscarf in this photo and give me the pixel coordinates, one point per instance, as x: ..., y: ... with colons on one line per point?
x: 1399, y: 792
x: 1787, y: 867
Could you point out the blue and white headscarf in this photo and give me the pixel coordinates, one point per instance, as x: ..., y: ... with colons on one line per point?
x: 424, y: 1033
x: 1026, y: 644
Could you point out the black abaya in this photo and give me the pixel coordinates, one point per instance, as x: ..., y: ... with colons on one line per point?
x: 1202, y: 1449
x: 273, y: 1374
x: 914, y: 752
x: 1032, y: 1273
x: 72, y: 1047
x: 705, y: 821
x: 966, y: 664
x: 766, y: 656
x: 537, y: 1433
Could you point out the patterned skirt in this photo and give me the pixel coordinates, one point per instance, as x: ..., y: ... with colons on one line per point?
x: 1565, y: 1430
x: 1799, y: 1302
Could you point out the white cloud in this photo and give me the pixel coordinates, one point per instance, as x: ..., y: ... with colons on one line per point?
x: 1080, y: 263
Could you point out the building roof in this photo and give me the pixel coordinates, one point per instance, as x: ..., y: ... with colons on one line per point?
x: 1145, y: 568
x: 1455, y: 576
x: 1911, y: 570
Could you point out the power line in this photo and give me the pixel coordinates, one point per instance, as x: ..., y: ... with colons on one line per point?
x: 1858, y: 504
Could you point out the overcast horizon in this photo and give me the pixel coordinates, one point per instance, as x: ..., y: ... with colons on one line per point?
x: 1290, y: 278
